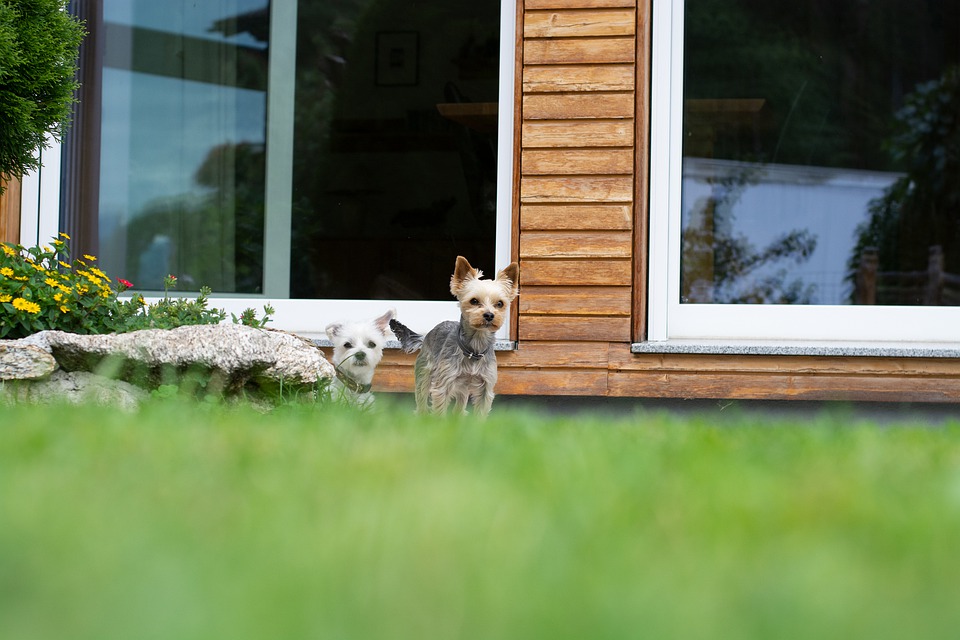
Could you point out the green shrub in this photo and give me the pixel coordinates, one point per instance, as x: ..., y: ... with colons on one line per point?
x: 39, y: 44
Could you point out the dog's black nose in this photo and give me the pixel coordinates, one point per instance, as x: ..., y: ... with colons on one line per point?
x: 488, y: 316
x: 360, y: 355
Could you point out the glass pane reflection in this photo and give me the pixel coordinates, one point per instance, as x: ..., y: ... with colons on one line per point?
x: 183, y: 143
x: 821, y: 152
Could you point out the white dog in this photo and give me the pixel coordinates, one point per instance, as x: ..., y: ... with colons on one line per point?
x: 357, y: 350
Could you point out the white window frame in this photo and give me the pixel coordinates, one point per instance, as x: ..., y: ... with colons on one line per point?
x: 40, y: 198
x: 671, y: 321
x: 40, y: 215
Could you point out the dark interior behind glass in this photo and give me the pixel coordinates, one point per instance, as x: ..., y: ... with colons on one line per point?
x: 395, y: 154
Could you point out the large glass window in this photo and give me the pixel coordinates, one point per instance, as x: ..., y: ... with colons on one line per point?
x: 820, y: 153
x: 395, y: 145
x: 814, y: 161
x: 306, y: 150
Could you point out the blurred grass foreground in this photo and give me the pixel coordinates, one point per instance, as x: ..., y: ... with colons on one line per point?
x: 195, y: 521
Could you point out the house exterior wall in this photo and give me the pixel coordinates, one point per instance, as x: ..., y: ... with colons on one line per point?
x: 579, y: 233
x: 576, y: 191
x: 580, y: 238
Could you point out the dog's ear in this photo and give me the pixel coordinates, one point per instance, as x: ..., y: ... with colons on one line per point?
x: 509, y: 278
x: 383, y: 322
x: 462, y: 274
x: 333, y: 330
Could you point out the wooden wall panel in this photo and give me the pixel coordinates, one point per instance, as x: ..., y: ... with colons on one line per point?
x: 575, y: 217
x: 623, y: 360
x: 588, y: 272
x: 784, y: 386
x: 577, y: 161
x: 576, y: 106
x: 536, y: 355
x: 531, y: 5
x: 579, y: 51
x: 593, y: 244
x: 577, y: 133
x: 10, y: 212
x: 579, y: 23
x: 643, y: 155
x: 573, y: 364
x: 569, y: 382
x: 585, y: 189
x: 581, y: 301
x: 558, y: 78
x: 575, y: 328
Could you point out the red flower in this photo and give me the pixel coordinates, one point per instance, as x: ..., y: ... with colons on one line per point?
x: 125, y: 284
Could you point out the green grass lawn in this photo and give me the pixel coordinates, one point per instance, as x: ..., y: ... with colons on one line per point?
x: 196, y: 521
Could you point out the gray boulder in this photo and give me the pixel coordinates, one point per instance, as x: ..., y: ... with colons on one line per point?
x: 77, y: 387
x: 24, y: 361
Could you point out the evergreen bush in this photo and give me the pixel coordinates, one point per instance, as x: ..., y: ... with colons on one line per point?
x: 39, y: 47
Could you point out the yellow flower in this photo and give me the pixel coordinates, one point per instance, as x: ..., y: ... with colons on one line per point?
x: 50, y: 282
x: 7, y: 250
x: 5, y: 298
x: 26, y: 305
x: 6, y: 271
x: 90, y: 257
x: 38, y: 267
x: 62, y: 234
x: 64, y: 309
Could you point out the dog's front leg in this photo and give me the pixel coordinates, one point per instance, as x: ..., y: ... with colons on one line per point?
x: 438, y: 400
x: 482, y: 403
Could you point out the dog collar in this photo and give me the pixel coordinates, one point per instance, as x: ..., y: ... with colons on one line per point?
x: 350, y: 383
x: 467, y: 351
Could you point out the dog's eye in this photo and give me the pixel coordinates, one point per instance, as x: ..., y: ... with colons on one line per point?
x: 348, y: 345
x: 499, y: 304
x: 474, y: 302
x: 372, y: 344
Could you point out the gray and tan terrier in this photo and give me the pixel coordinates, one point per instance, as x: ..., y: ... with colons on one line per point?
x: 456, y: 364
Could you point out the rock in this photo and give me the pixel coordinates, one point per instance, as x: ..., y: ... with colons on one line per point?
x: 75, y: 387
x: 230, y: 357
x: 24, y: 361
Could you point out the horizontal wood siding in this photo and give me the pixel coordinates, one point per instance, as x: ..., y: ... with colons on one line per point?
x: 582, y: 117
x: 577, y: 178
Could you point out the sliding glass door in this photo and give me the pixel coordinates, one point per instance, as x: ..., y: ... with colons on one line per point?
x: 332, y: 158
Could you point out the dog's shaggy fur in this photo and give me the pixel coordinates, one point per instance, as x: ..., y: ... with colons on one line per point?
x: 457, y: 364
